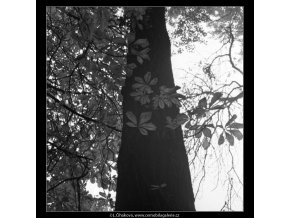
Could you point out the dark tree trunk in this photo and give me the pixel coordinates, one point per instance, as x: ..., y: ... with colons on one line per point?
x: 146, y: 161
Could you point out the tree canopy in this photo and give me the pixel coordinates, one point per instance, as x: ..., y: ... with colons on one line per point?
x: 86, y: 70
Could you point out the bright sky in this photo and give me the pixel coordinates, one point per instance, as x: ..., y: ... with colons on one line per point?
x: 210, y: 198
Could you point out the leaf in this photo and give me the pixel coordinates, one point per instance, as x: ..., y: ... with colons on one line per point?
x: 216, y: 96
x: 170, y: 123
x: 144, y: 117
x: 142, y: 42
x: 163, y: 185
x: 139, y: 80
x: 145, y: 56
x: 155, y: 102
x: 236, y: 125
x: 144, y: 51
x: 153, y: 81
x: 237, y: 134
x: 231, y: 120
x: 180, y: 96
x: 139, y: 59
x: 110, y: 156
x: 205, y: 143
x: 206, y: 132
x: 132, y: 66
x: 202, y: 103
x: 143, y: 131
x: 239, y: 95
x: 175, y: 101
x: 167, y: 102
x: 198, y: 135
x: 218, y: 107
x: 148, y: 89
x: 131, y: 124
x: 165, y: 90
x: 92, y: 180
x: 147, y: 77
x: 144, y: 99
x: 181, y: 119
x: 131, y: 117
x: 161, y: 103
x: 162, y: 89
x: 171, y: 126
x: 103, y: 194
x: 230, y: 138
x: 221, y: 139
x: 138, y: 85
x: 148, y: 126
x: 188, y: 125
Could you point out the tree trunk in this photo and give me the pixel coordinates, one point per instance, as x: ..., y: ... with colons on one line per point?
x: 153, y: 170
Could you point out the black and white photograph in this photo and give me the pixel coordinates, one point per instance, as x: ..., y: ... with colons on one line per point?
x: 144, y: 108
x: 120, y: 110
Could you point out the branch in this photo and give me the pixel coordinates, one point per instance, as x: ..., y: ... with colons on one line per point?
x: 232, y: 99
x: 81, y: 115
x: 68, y: 152
x: 81, y: 56
x: 65, y: 91
x: 68, y: 179
x: 230, y: 52
x: 225, y: 205
x: 219, y: 56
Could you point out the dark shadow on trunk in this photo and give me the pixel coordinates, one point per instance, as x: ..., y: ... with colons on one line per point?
x: 147, y: 161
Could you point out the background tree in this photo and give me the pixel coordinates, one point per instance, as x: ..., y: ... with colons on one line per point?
x: 86, y: 70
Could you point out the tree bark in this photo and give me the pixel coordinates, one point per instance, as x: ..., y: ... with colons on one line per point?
x: 147, y: 161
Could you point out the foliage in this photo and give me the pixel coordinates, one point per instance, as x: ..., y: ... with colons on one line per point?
x: 142, y: 125
x: 142, y: 88
x: 85, y: 73
x: 188, y: 25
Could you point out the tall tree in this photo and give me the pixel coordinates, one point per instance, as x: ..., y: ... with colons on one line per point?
x: 153, y: 170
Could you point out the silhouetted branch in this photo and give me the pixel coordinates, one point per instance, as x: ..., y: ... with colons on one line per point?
x: 230, y: 51
x: 81, y: 115
x: 68, y: 179
x: 68, y: 152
